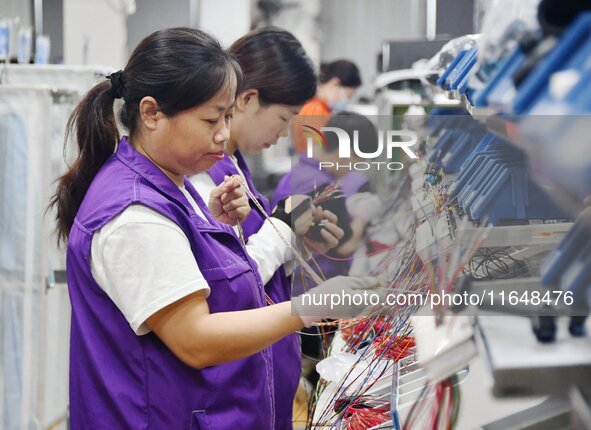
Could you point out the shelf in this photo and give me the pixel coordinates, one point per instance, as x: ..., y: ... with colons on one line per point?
x: 521, y: 366
x: 479, y: 113
x: 523, y: 235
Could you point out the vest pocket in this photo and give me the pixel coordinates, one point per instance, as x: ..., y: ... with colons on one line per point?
x: 229, y: 271
x: 199, y: 421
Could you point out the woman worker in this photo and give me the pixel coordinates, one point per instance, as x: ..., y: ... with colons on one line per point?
x: 170, y: 329
x: 338, y: 82
x: 357, y: 206
x: 278, y: 79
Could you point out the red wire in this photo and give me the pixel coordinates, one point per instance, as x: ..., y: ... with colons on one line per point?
x: 354, y: 334
x: 361, y: 418
x: 436, y: 407
x: 397, y: 350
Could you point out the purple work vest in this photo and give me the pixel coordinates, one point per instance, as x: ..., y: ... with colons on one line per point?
x: 287, y: 363
x: 122, y: 381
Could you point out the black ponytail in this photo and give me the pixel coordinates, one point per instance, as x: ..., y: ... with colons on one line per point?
x: 93, y: 122
x: 180, y: 67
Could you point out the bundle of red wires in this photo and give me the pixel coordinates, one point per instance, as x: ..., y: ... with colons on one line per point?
x: 357, y: 333
x: 362, y: 418
x: 395, y: 350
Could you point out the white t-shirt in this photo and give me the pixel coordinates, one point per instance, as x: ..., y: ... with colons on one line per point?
x: 144, y: 261
x: 193, y: 203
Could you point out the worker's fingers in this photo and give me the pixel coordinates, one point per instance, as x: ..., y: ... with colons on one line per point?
x: 328, y: 215
x: 233, y: 204
x: 234, y: 194
x: 317, y: 213
x: 334, y: 230
x: 240, y: 213
x: 330, y: 240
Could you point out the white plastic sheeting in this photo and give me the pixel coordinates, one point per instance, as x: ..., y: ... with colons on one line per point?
x: 34, y: 320
x: 24, y: 178
x: 78, y: 79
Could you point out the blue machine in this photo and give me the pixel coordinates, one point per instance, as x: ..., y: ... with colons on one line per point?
x: 571, y: 53
x: 568, y: 268
x: 497, y: 92
x: 493, y: 171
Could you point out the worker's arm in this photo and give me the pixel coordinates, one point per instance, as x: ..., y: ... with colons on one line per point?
x: 201, y: 339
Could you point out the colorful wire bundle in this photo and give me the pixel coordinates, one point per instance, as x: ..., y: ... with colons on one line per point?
x: 443, y: 399
x: 382, y: 338
x: 361, y: 417
x: 356, y: 333
x: 330, y: 192
x: 402, y: 347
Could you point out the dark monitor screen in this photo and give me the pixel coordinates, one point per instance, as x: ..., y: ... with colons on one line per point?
x: 402, y: 55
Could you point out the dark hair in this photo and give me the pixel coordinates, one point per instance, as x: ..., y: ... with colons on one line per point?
x: 180, y: 67
x: 350, y: 122
x: 274, y: 62
x: 346, y: 71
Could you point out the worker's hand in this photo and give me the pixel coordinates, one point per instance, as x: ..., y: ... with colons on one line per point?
x: 325, y: 234
x: 228, y: 202
x: 295, y: 211
x: 301, y: 219
x: 339, y: 297
x: 365, y: 206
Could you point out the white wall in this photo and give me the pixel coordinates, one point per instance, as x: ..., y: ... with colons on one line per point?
x: 355, y: 30
x: 226, y: 19
x: 153, y: 15
x: 104, y: 25
x: 17, y: 9
x: 100, y: 25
